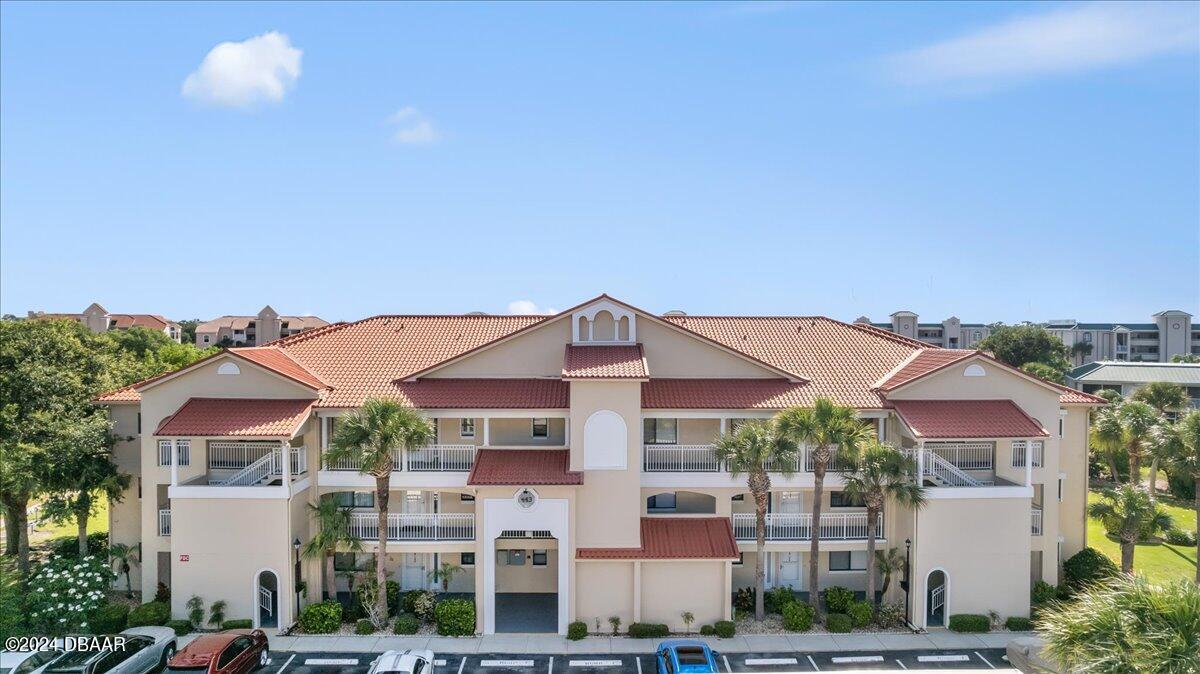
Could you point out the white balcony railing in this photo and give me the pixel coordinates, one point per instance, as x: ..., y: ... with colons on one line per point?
x: 237, y: 455
x: 679, y: 459
x: 415, y: 527
x: 1036, y: 520
x: 164, y: 522
x: 798, y: 526
x: 1018, y: 453
x: 965, y: 455
x: 837, y: 463
x: 455, y: 458
x: 266, y: 468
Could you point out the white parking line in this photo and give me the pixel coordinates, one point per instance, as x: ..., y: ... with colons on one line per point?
x: 551, y: 669
x: 638, y: 660
x: 770, y: 661
x: 727, y: 667
x: 851, y: 659
x: 985, y: 660
x: 944, y: 658
x: 506, y: 663
x: 594, y: 663
x: 439, y: 663
x: 813, y: 663
x: 902, y: 665
x: 330, y: 661
x: 462, y: 664
x: 289, y: 661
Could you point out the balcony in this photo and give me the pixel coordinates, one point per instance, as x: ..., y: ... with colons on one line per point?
x: 431, y: 458
x: 798, y: 527
x: 423, y: 527
x: 702, y: 459
x: 164, y: 522
x: 1036, y: 520
x: 247, y: 464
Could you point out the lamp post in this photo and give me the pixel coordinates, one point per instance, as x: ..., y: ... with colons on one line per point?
x: 296, y: 574
x: 904, y: 584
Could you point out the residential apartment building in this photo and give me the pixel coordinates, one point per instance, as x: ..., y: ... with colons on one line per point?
x: 97, y: 319
x: 573, y: 476
x: 267, y: 326
x: 1125, y: 377
x: 950, y: 333
x: 1171, y: 334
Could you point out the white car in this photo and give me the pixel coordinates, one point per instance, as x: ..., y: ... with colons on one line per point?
x: 27, y: 662
x: 403, y: 662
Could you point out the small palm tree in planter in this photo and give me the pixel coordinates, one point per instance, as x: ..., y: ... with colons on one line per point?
x: 369, y: 436
x: 443, y: 574
x: 688, y: 618
x: 754, y: 448
x: 888, y: 563
x: 333, y: 534
x: 882, y: 473
x: 1130, y: 515
x: 124, y: 557
x: 823, y: 429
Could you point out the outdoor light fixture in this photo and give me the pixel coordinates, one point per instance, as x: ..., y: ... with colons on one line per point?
x: 298, y: 583
x: 904, y: 584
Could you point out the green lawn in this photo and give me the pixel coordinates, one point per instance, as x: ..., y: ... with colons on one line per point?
x: 44, y: 531
x: 1158, y: 562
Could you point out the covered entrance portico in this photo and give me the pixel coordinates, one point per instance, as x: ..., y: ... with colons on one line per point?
x: 525, y: 564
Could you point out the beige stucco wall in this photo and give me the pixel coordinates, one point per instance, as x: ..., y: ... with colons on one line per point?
x: 519, y: 432
x: 124, y: 516
x: 536, y: 353
x: 609, y: 502
x: 670, y: 353
x: 1073, y: 458
x: 603, y: 589
x: 669, y: 588
x: 528, y: 578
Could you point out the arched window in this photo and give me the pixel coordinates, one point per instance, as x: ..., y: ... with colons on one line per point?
x: 974, y: 370
x: 229, y: 368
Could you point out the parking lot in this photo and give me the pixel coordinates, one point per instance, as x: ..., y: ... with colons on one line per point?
x: 284, y: 662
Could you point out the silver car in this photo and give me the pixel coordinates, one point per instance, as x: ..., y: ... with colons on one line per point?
x: 145, y: 651
x: 403, y: 662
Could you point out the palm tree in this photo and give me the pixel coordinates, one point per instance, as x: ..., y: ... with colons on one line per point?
x: 1167, y: 398
x: 1138, y: 420
x: 1108, y: 438
x: 1129, y: 515
x: 1180, y: 443
x: 823, y: 428
x: 368, y: 436
x: 443, y: 574
x: 754, y: 448
x: 887, y: 563
x: 124, y: 557
x: 333, y: 532
x: 882, y: 473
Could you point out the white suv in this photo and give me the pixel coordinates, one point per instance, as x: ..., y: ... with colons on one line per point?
x: 403, y: 662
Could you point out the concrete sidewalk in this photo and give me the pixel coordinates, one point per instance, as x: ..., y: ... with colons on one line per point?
x: 554, y: 644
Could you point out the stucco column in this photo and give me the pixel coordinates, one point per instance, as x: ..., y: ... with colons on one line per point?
x: 1029, y: 462
x: 174, y: 462
x: 920, y: 463
x: 728, y: 591
x: 285, y: 455
x: 487, y: 433
x: 637, y: 592
x: 723, y: 420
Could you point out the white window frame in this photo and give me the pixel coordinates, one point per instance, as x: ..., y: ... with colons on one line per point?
x: 466, y: 428
x: 852, y: 568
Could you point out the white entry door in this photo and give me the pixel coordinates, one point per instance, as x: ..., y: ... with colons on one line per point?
x: 413, y: 570
x: 783, y: 569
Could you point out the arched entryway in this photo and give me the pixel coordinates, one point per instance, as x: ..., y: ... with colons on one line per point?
x: 266, y: 599
x: 936, y: 589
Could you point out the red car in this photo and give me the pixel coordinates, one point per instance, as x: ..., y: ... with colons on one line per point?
x: 228, y: 652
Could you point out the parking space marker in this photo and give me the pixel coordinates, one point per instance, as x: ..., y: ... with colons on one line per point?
x: 506, y: 663
x: 727, y: 667
x: 849, y: 659
x: 985, y: 660
x: 944, y: 658
x: 462, y: 664
x: 551, y: 670
x: 813, y: 663
x: 330, y: 661
x: 902, y: 665
x: 439, y: 663
x: 638, y: 660
x: 752, y: 662
x: 594, y: 663
x: 289, y: 661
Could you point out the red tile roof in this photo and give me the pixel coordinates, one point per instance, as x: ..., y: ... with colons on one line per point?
x: 1070, y: 396
x: 152, y: 321
x: 605, y: 362
x: 675, y: 538
x: 125, y: 394
x: 523, y: 467
x: 278, y: 361
x: 923, y: 363
x: 722, y: 394
x: 237, y: 417
x: 484, y: 394
x: 967, y: 419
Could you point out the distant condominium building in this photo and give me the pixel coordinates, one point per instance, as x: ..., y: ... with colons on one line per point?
x: 1171, y: 334
x: 1127, y: 377
x: 98, y: 319
x: 267, y: 326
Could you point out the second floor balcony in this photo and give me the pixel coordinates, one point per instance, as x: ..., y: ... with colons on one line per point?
x: 798, y: 527
x: 417, y: 527
x: 431, y: 458
x: 703, y: 459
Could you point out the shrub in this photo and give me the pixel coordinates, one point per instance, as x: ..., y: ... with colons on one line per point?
x: 969, y: 622
x: 63, y: 591
x: 237, y: 624
x: 181, y: 627
x: 838, y: 599
x: 1180, y: 537
x: 890, y: 615
x: 725, y: 629
x: 707, y: 630
x: 743, y: 600
x: 839, y: 623
x: 775, y: 599
x: 1087, y: 566
x: 797, y: 617
x: 108, y: 619
x: 322, y: 618
x: 364, y: 626
x: 393, y: 597
x: 152, y: 613
x: 615, y: 621
x: 648, y: 630
x: 67, y: 547
x: 216, y: 614
x: 1181, y: 485
x: 455, y: 618
x: 407, y: 623
x: 1043, y: 592
x: 860, y: 614
x: 195, y: 607
x: 162, y: 593
x: 577, y: 630
x: 1018, y: 624
x: 419, y: 603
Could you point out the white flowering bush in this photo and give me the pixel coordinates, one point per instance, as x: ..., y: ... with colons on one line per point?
x: 64, y: 590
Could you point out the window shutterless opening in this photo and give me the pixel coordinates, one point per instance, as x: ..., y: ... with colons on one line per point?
x: 466, y: 428
x: 541, y: 428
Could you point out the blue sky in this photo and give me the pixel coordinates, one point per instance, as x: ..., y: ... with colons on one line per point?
x: 993, y: 161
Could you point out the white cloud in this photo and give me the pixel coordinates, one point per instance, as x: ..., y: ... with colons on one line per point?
x: 241, y: 74
x: 1075, y: 38
x: 528, y: 307
x: 413, y: 128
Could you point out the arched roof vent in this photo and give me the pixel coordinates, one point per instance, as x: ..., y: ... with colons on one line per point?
x: 676, y: 312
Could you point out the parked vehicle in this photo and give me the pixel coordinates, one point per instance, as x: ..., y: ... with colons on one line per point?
x: 403, y: 662
x: 26, y: 662
x: 685, y: 656
x: 228, y: 652
x: 146, y: 650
